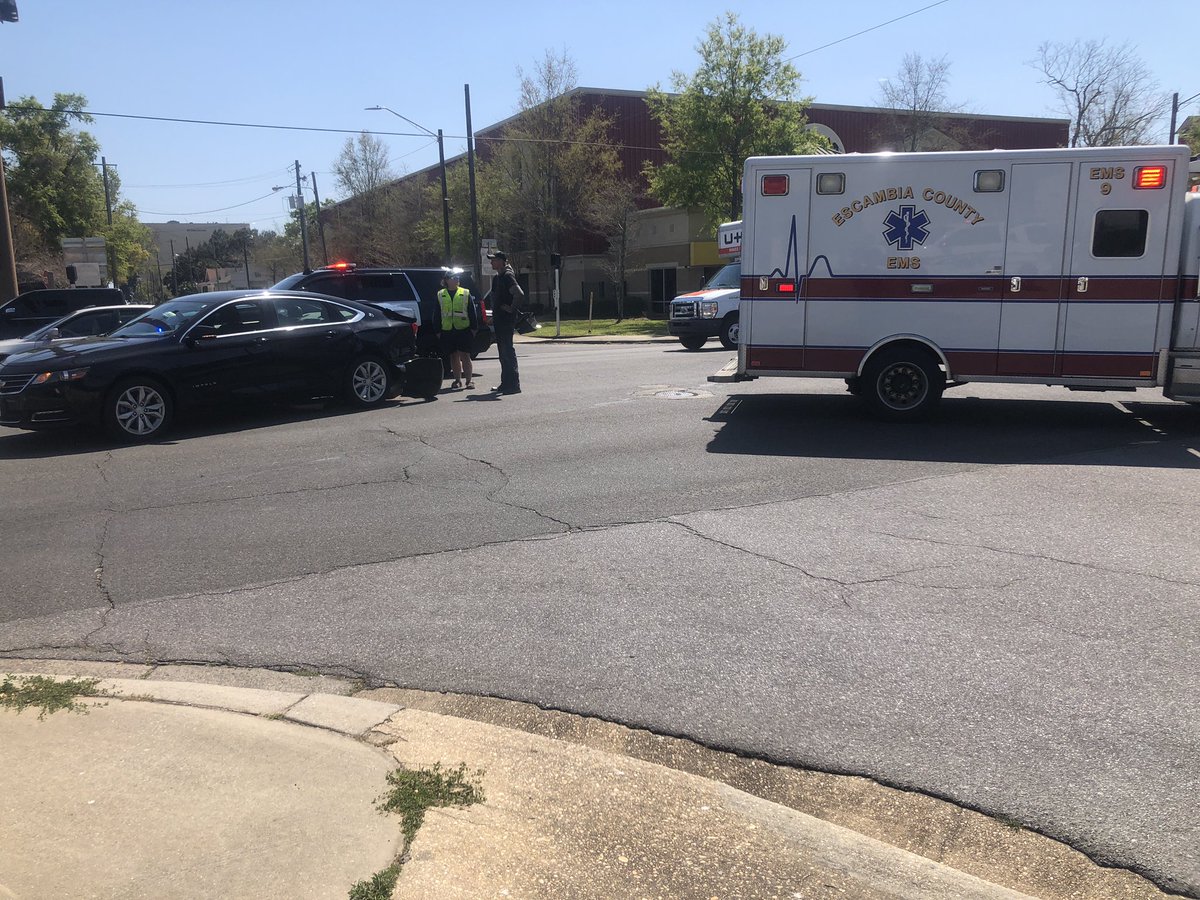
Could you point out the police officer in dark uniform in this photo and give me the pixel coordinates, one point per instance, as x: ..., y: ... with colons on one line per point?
x: 502, y: 300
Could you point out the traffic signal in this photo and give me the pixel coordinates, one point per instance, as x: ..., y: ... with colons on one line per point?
x: 556, y: 260
x: 8, y: 11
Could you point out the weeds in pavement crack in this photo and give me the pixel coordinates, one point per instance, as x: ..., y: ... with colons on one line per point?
x: 411, y: 793
x: 22, y: 691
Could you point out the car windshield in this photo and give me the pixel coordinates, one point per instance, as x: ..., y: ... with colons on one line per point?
x: 728, y: 277
x: 166, y: 318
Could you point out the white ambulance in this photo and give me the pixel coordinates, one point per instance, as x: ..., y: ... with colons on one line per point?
x: 908, y: 273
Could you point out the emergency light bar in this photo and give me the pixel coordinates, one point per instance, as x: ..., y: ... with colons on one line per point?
x: 1149, y: 177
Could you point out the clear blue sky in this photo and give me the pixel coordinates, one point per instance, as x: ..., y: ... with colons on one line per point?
x: 317, y: 64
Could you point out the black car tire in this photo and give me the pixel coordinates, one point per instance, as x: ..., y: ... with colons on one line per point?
x: 137, y: 409
x: 903, y: 383
x: 368, y: 382
x: 729, y: 332
x: 692, y: 343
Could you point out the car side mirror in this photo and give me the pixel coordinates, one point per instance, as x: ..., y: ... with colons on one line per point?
x: 52, y: 335
x: 201, y: 333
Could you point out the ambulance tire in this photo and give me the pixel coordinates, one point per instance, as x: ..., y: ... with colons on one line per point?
x: 902, y: 383
x: 729, y: 332
x: 692, y: 343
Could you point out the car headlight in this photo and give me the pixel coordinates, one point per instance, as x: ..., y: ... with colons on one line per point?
x: 61, y: 375
x: 708, y: 309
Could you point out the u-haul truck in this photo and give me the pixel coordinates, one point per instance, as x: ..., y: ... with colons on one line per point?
x: 908, y: 273
x: 712, y: 311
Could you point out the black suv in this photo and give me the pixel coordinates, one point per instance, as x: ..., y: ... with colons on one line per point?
x: 406, y: 289
x: 30, y: 311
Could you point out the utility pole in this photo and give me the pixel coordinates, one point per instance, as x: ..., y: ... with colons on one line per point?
x: 108, y: 247
x: 9, y: 286
x: 158, y: 262
x: 475, y: 249
x: 445, y: 199
x: 1175, y: 104
x: 8, y: 260
x: 246, y: 260
x: 303, y: 223
x: 174, y: 270
x: 320, y: 221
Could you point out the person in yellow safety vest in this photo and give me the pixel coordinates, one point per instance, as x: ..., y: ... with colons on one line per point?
x: 459, y: 323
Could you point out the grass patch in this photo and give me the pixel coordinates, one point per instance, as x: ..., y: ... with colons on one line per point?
x: 379, y: 887
x: 414, y: 791
x: 411, y: 793
x: 48, y: 695
x: 601, y: 327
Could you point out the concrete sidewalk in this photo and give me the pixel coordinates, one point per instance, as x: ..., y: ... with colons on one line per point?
x: 200, y: 782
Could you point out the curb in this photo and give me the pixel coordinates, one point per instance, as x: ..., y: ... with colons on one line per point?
x: 1001, y: 854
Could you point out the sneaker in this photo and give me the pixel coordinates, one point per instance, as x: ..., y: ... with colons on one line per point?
x: 456, y: 385
x: 470, y: 385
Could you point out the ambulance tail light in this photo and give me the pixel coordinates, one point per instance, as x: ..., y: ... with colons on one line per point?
x: 774, y: 185
x: 1149, y: 178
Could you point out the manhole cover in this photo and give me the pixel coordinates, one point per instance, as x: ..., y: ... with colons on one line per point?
x: 679, y: 394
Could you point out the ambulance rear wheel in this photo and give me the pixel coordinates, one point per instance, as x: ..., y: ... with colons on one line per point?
x: 729, y: 332
x: 903, y: 383
x: 692, y: 343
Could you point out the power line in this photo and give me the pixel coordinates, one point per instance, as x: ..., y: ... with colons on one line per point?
x: 348, y: 131
x: 201, y: 212
x: 865, y: 30
x: 245, y: 180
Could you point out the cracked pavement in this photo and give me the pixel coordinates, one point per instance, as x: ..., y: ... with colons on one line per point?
x: 999, y: 608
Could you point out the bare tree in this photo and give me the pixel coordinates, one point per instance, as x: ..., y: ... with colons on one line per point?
x: 614, y: 212
x: 1107, y: 92
x: 916, y: 97
x: 553, y: 160
x: 363, y: 166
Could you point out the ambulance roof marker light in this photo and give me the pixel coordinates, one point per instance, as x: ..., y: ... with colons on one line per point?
x: 1149, y: 178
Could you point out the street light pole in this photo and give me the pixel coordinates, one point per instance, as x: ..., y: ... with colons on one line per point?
x: 442, y: 166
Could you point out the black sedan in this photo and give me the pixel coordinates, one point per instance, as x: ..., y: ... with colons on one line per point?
x: 207, y: 348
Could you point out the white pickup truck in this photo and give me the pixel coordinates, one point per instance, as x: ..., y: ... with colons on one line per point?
x: 712, y: 311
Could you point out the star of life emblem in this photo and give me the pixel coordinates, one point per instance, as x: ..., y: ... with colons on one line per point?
x: 906, y: 227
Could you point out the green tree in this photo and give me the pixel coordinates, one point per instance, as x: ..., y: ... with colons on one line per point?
x: 1191, y: 136
x: 54, y: 187
x: 741, y: 101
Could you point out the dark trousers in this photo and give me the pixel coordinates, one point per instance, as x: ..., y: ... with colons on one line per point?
x: 510, y: 379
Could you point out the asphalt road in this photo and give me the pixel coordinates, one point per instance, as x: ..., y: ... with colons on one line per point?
x: 998, y: 607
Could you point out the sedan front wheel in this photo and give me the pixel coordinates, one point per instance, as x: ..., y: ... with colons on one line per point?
x: 138, y: 409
